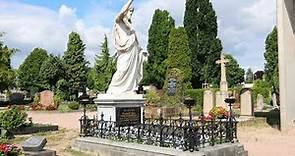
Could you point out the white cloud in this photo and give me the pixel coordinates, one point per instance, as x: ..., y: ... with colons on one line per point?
x: 243, y: 25
x: 32, y: 26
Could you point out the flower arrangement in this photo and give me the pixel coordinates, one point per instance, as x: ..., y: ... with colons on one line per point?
x: 218, y: 112
x: 206, y: 118
x: 9, y: 150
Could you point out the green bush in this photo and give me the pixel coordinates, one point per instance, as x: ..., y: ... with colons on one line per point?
x: 196, y: 94
x: 11, y: 119
x: 263, y: 88
x: 74, y: 105
x: 153, y: 98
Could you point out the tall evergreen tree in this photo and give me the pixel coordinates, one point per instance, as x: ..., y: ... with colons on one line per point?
x: 104, y: 68
x: 200, y: 22
x: 155, y: 68
x: 28, y: 73
x: 75, y: 64
x: 249, y: 76
x: 271, y: 56
x: 234, y: 73
x: 179, y: 54
x: 7, y: 74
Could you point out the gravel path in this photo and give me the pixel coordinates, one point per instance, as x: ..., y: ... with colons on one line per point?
x: 63, y: 120
x: 259, y: 141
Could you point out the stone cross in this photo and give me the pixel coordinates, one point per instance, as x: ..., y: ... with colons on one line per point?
x: 223, y: 82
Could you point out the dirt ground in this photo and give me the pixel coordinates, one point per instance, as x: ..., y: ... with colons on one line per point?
x: 257, y: 137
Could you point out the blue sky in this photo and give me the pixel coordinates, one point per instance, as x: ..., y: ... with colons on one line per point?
x: 243, y: 24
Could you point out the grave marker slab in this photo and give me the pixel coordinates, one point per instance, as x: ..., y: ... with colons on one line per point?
x: 46, y: 98
x: 246, y: 103
x: 34, y: 144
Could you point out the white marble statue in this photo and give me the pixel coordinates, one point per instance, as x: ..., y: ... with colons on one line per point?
x: 130, y: 55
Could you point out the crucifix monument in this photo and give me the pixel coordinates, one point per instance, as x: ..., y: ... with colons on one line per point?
x: 223, y: 93
x: 223, y: 82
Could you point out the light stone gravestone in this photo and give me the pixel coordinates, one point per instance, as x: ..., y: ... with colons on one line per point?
x: 246, y: 103
x: 208, y: 102
x: 220, y: 96
x: 46, y: 98
x: 260, y: 102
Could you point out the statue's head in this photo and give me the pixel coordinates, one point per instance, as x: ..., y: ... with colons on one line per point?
x: 129, y: 13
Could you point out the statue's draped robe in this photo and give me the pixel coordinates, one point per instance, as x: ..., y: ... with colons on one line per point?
x: 129, y: 62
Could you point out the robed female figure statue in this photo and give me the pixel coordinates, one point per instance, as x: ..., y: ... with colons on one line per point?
x: 130, y: 56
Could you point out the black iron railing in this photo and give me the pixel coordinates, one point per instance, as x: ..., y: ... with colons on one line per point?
x: 187, y: 135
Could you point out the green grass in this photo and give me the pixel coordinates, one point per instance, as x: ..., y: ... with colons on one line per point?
x: 77, y: 153
x: 256, y: 123
x: 63, y: 108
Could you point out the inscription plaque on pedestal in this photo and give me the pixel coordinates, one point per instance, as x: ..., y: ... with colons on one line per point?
x: 128, y: 116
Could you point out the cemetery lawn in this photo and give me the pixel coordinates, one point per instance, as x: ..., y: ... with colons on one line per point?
x: 257, y: 137
x: 59, y: 141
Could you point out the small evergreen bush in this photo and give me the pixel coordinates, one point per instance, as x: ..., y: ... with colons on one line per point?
x: 74, y: 105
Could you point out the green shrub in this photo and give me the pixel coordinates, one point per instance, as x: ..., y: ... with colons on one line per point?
x: 74, y: 105
x: 36, y: 99
x: 263, y: 88
x: 153, y: 98
x: 11, y: 119
x: 196, y: 94
x: 57, y: 100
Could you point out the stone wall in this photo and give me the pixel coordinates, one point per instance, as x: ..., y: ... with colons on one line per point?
x: 103, y: 147
x: 286, y: 41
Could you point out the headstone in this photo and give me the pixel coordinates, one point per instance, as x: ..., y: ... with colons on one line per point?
x: 172, y: 85
x: 220, y: 96
x: 246, y: 103
x: 260, y: 102
x: 208, y: 102
x: 17, y: 98
x: 34, y: 144
x: 46, y: 98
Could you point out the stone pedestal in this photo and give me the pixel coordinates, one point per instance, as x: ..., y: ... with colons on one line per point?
x: 224, y: 86
x: 127, y: 107
x: 220, y: 97
x: 246, y: 104
x: 208, y: 101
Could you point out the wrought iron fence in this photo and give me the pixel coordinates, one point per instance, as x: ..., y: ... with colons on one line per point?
x: 180, y: 133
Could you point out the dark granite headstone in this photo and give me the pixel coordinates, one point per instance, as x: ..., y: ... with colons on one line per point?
x: 172, y: 84
x: 34, y: 144
x: 17, y: 98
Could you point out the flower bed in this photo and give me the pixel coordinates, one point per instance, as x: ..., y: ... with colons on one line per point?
x: 9, y: 150
x: 218, y: 112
